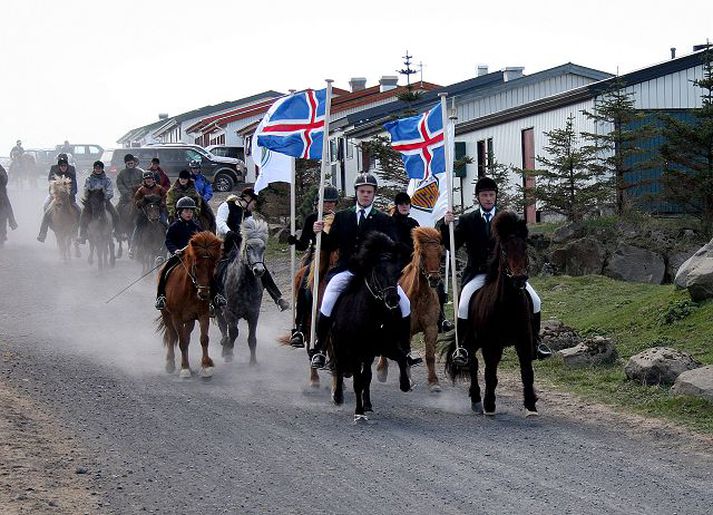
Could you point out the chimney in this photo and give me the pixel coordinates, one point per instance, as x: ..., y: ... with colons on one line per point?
x: 357, y: 84
x: 512, y: 73
x: 696, y: 48
x: 388, y: 82
x: 163, y: 116
x: 673, y: 52
x: 482, y: 70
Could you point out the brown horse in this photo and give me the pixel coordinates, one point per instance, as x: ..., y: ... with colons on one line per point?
x: 419, y: 280
x: 64, y: 217
x: 187, y: 300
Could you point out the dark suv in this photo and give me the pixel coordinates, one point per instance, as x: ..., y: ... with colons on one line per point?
x: 84, y: 154
x: 223, y: 172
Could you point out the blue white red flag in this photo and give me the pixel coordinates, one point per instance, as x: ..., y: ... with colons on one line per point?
x: 296, y: 125
x: 420, y: 141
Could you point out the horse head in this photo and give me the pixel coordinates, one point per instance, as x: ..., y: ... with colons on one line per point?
x: 60, y: 189
x: 254, y: 233
x: 377, y: 266
x: 200, y: 259
x: 427, y: 252
x: 511, y: 248
x: 152, y: 208
x: 95, y: 201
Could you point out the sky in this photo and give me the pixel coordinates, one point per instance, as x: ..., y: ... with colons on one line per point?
x: 89, y: 71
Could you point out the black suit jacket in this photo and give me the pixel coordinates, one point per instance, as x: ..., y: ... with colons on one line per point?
x: 471, y: 230
x: 345, y: 236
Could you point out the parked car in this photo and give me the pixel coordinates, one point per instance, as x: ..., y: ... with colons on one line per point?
x: 84, y: 154
x: 227, y: 151
x: 223, y: 172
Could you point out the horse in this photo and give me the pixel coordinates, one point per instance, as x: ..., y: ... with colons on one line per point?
x: 125, y: 224
x: 150, y: 242
x: 366, y: 318
x: 188, y: 301
x: 23, y: 170
x: 64, y: 217
x: 243, y: 288
x: 419, y: 280
x: 499, y: 315
x: 99, y: 230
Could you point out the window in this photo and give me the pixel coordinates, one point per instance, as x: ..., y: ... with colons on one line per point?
x: 191, y: 155
x: 350, y: 149
x: 79, y: 150
x: 94, y: 149
x: 484, y: 150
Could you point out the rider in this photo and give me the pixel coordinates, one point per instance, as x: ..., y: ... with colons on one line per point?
x: 183, y: 187
x: 229, y: 217
x: 347, y: 233
x: 474, y: 229
x: 203, y: 187
x: 148, y: 192
x: 160, y: 175
x: 128, y: 181
x: 67, y: 148
x: 17, y: 151
x: 6, y: 212
x: 61, y: 169
x: 97, y: 180
x: 306, y: 241
x: 177, y: 237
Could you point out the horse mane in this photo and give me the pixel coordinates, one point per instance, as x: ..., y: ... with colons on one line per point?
x: 254, y: 228
x: 60, y: 185
x: 375, y: 244
x: 422, y: 236
x: 207, y: 241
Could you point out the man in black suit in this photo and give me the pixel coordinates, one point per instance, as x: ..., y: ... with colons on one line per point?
x: 474, y: 230
x: 347, y: 233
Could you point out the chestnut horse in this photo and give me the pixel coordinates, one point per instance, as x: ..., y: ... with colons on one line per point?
x: 64, y: 217
x: 419, y: 280
x: 187, y: 300
x: 499, y: 315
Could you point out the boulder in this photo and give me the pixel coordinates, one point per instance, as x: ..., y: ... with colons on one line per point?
x: 677, y: 258
x: 634, y: 264
x: 659, y: 365
x: 698, y: 382
x: 558, y: 336
x: 579, y: 257
x: 567, y: 232
x: 591, y: 352
x: 696, y: 274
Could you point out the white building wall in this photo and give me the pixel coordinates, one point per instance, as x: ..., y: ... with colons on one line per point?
x: 673, y: 91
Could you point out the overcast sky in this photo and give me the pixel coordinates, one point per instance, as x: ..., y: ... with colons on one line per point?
x: 89, y: 71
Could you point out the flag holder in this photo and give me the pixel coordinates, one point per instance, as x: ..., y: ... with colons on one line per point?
x: 320, y: 214
x: 293, y: 214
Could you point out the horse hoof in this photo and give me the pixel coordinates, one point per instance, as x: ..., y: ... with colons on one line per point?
x: 434, y: 388
x: 360, y: 419
x: 207, y: 372
x: 531, y: 413
x: 228, y: 357
x: 489, y: 413
x: 185, y: 373
x: 368, y: 408
x: 477, y: 407
x: 170, y: 367
x: 382, y: 375
x: 314, y: 385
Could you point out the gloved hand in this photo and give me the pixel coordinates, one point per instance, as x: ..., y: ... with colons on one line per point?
x: 292, y: 239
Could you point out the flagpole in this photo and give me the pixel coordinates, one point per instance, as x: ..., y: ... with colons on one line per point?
x: 293, y: 214
x: 320, y: 213
x: 449, y: 189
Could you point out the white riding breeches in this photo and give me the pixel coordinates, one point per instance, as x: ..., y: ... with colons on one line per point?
x: 476, y: 283
x: 339, y: 283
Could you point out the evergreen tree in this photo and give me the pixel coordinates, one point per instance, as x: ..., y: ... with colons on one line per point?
x: 569, y: 184
x: 687, y: 179
x: 614, y: 112
x: 510, y: 196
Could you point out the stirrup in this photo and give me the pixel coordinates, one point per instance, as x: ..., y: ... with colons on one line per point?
x: 161, y: 302
x: 543, y: 351
x: 219, y: 301
x: 297, y: 340
x: 318, y: 360
x: 460, y: 357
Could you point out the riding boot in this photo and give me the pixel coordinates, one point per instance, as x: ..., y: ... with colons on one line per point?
x: 460, y: 355
x: 83, y: 225
x: 163, y: 278
x: 43, y: 227
x: 540, y: 350
x: 324, y: 324
x: 297, y: 340
x: 114, y: 217
x: 404, y: 339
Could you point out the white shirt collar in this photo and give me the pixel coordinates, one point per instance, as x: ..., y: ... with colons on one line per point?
x: 491, y: 213
x: 367, y: 210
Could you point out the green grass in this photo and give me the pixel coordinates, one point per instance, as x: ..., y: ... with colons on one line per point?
x: 636, y: 316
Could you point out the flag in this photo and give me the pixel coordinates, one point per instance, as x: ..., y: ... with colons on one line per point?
x: 420, y: 141
x: 295, y: 125
x: 274, y: 167
x: 429, y: 196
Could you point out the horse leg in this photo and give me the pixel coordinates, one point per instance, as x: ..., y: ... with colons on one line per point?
x: 474, y: 391
x: 492, y: 358
x: 184, y: 340
x: 170, y: 337
x: 337, y: 386
x: 430, y: 334
x: 252, y: 338
x: 206, y: 363
x: 358, y: 382
x: 524, y: 356
x: 382, y: 369
x: 230, y: 342
x: 366, y: 391
x: 90, y: 258
x: 405, y: 383
x: 112, y: 257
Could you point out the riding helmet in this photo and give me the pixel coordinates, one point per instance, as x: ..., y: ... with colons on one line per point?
x: 195, y: 163
x: 402, y: 198
x: 129, y: 157
x: 331, y: 194
x: 485, y: 184
x: 62, y: 157
x: 184, y: 174
x: 365, y: 179
x: 62, y: 161
x: 149, y: 175
x: 99, y: 164
x: 185, y: 203
x: 249, y: 194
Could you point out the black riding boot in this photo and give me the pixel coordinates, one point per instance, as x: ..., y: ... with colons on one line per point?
x: 404, y: 339
x: 460, y: 355
x: 540, y: 350
x: 324, y: 323
x: 302, y: 308
x: 44, y: 227
x: 163, y: 278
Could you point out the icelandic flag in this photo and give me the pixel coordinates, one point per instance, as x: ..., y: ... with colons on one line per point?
x: 274, y: 167
x: 296, y: 125
x: 420, y: 141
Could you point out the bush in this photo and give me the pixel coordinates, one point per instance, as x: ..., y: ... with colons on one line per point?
x: 676, y: 311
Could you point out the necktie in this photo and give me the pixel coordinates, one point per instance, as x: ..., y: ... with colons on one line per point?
x: 361, y: 217
x: 487, y: 222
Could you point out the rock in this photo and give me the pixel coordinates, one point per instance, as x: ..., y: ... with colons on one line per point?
x: 580, y: 257
x: 698, y: 382
x: 696, y: 274
x: 591, y: 352
x: 558, y: 336
x: 634, y: 264
x: 282, y: 235
x: 567, y: 232
x: 659, y: 365
x: 677, y: 259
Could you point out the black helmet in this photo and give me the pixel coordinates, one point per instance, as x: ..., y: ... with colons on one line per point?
x: 365, y: 179
x: 62, y: 161
x: 402, y: 198
x: 184, y: 174
x: 149, y: 175
x: 62, y: 156
x: 249, y: 194
x: 129, y: 157
x: 185, y: 203
x: 331, y: 194
x: 99, y: 164
x: 195, y: 163
x: 485, y: 184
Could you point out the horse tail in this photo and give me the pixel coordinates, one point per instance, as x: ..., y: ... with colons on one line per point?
x: 284, y: 339
x: 160, y: 325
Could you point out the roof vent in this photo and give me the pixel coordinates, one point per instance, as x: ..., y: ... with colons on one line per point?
x: 512, y: 73
x: 482, y: 70
x: 163, y: 116
x: 696, y: 48
x: 357, y: 84
x: 388, y: 82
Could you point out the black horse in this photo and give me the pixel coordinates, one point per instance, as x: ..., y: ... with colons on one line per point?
x: 499, y: 316
x: 149, y: 243
x: 99, y: 229
x: 366, y: 319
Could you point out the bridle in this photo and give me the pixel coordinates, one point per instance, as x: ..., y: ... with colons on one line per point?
x: 429, y: 274
x: 379, y: 292
x: 505, y: 269
x: 201, y: 288
x: 246, y: 257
